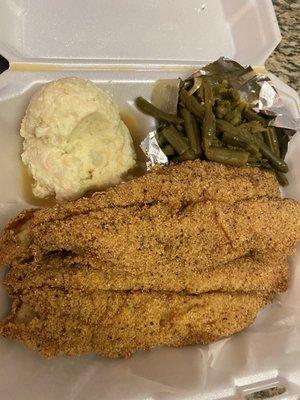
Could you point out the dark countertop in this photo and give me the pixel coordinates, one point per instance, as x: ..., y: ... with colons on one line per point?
x: 285, y: 60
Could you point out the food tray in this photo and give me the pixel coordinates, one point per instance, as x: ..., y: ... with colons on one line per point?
x: 125, y: 46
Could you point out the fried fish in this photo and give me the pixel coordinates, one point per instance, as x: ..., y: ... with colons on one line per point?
x: 185, y: 254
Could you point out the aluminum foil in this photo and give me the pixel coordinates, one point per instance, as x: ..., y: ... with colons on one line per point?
x: 152, y: 151
x: 257, y: 89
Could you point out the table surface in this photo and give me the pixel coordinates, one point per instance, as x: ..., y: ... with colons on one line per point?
x: 284, y: 62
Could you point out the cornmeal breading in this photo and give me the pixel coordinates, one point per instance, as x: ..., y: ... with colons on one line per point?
x: 264, y: 273
x: 116, y: 324
x: 185, y: 254
x: 200, y: 234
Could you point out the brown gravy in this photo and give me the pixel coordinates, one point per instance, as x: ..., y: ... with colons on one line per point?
x: 132, y: 124
x: 27, y: 193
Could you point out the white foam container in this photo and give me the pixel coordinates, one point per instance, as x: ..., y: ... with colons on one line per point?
x: 124, y: 46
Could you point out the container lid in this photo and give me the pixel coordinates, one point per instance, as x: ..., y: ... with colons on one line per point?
x: 137, y: 32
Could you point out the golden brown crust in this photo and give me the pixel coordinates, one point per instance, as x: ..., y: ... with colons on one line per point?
x: 200, y: 234
x: 256, y: 272
x: 116, y: 324
x: 178, y: 183
x: 186, y: 254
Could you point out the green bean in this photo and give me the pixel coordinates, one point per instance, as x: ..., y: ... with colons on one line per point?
x: 253, y: 128
x: 234, y: 95
x: 258, y: 162
x: 234, y: 140
x: 199, y: 93
x: 149, y: 109
x: 234, y: 117
x: 161, y: 138
x: 209, y: 130
x: 251, y: 115
x: 174, y: 138
x: 192, y: 131
x: 236, y: 137
x: 168, y: 150
x: 208, y: 93
x: 187, y: 155
x: 241, y: 106
x: 223, y: 108
x: 192, y: 104
x: 179, y: 127
x: 256, y: 158
x: 271, y: 140
x: 282, y: 179
x: 276, y: 162
x: 236, y: 148
x: 227, y: 156
x: 254, y: 164
x: 198, y: 134
x: 220, y: 88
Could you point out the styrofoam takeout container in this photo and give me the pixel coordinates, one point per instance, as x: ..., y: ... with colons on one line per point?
x: 124, y: 46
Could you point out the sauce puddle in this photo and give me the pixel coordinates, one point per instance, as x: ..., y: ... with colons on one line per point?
x: 133, y: 126
x: 27, y: 194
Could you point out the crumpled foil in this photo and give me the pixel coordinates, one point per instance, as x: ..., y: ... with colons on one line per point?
x: 257, y: 89
x: 152, y: 151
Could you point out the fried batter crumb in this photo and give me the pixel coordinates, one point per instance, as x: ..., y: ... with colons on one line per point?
x: 185, y: 254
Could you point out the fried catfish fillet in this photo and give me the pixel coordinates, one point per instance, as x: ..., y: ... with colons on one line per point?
x: 117, y: 324
x: 185, y: 254
x: 177, y: 185
x: 251, y: 273
x: 199, y: 234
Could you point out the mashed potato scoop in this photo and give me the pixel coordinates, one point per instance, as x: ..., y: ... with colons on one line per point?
x: 74, y: 140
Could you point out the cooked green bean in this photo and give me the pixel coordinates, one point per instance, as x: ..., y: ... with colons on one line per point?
x: 208, y: 92
x: 255, y: 159
x: 252, y: 127
x: 179, y: 127
x: 192, y: 131
x: 149, y: 109
x: 232, y: 133
x: 235, y: 140
x: 254, y: 164
x: 161, y: 138
x: 276, y: 162
x: 234, y: 117
x: 199, y: 93
x: 168, y: 150
x: 175, y: 139
x: 271, y: 140
x: 251, y: 115
x: 282, y: 179
x: 187, y: 155
x: 258, y: 162
x: 227, y: 156
x: 236, y: 137
x: 236, y: 148
x: 198, y: 133
x: 223, y: 107
x: 192, y: 104
x: 234, y: 95
x: 209, y: 130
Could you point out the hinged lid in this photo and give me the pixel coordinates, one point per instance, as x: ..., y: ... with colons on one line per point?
x: 138, y: 32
